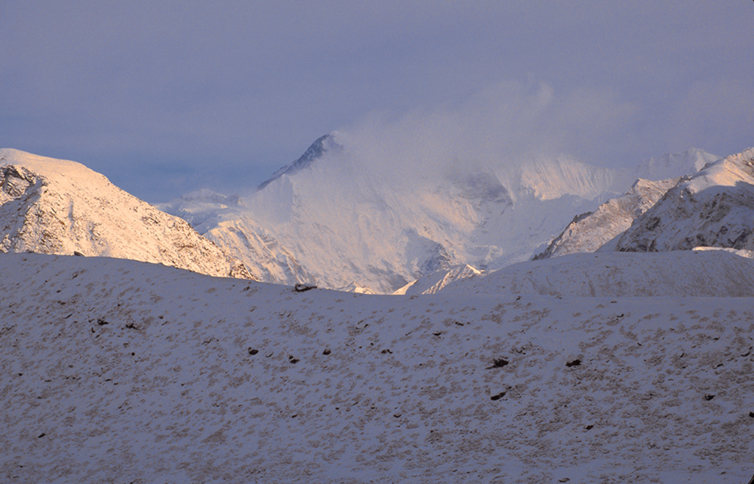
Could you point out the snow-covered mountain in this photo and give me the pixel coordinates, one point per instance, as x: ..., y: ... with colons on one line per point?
x: 590, y: 231
x: 322, y: 145
x: 338, y: 217
x: 61, y: 207
x: 713, y: 208
x: 120, y: 371
x: 603, y: 367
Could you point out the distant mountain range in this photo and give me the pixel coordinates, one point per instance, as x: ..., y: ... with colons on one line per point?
x: 328, y: 220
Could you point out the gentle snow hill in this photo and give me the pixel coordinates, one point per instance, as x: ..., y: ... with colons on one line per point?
x: 120, y: 371
x: 714, y: 208
x: 699, y: 273
x: 61, y: 207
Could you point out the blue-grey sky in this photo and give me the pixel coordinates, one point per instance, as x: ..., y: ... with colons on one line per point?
x: 164, y: 97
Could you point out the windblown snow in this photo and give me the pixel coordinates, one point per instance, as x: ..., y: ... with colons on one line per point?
x: 120, y: 371
x: 610, y: 366
x: 337, y: 218
x: 61, y: 207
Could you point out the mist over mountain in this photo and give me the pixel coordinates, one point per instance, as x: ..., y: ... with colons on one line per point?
x: 334, y: 219
x: 422, y: 242
x: 347, y: 214
x: 674, y: 165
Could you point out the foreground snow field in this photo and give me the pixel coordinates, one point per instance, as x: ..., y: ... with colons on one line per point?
x: 121, y: 371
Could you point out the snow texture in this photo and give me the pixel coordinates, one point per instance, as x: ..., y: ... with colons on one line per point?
x: 61, y: 207
x: 121, y: 371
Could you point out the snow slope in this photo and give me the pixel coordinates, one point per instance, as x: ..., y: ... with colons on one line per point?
x: 674, y: 165
x: 590, y: 231
x: 342, y: 216
x: 61, y: 207
x: 119, y: 371
x: 698, y: 273
x: 714, y: 207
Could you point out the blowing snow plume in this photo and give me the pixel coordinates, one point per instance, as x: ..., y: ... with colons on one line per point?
x: 505, y: 125
x: 375, y: 206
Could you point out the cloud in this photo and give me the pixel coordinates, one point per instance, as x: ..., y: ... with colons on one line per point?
x: 244, y: 87
x: 506, y: 123
x: 716, y: 110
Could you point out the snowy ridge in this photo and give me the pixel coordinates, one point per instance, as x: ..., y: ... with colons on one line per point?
x: 317, y: 149
x: 590, y: 231
x: 601, y: 228
x: 122, y: 371
x: 703, y: 273
x: 61, y: 207
x: 714, y: 207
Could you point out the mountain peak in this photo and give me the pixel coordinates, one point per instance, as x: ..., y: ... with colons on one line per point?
x: 316, y: 150
x: 62, y: 207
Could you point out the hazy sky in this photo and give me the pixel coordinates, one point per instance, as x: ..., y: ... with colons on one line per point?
x: 167, y: 97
